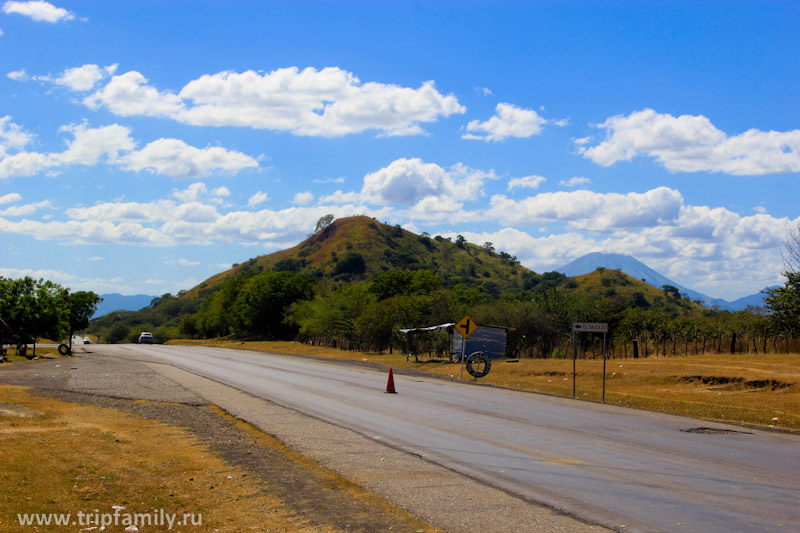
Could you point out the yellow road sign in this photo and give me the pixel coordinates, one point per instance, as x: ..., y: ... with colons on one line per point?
x: 466, y: 326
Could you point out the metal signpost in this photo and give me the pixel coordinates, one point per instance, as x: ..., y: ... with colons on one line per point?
x: 466, y: 327
x: 588, y: 327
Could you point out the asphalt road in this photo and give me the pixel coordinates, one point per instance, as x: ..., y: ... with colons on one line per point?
x: 607, y: 465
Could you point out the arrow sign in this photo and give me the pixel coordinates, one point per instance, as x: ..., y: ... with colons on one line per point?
x: 466, y: 326
x: 590, y: 327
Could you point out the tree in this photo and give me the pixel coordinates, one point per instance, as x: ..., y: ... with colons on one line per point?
x: 323, y: 223
x: 33, y: 309
x: 262, y: 301
x: 784, y: 302
x: 81, y: 305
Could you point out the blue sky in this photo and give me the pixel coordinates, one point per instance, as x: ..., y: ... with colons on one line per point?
x: 145, y: 146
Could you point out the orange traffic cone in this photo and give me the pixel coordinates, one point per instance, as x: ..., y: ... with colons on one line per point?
x: 390, y: 384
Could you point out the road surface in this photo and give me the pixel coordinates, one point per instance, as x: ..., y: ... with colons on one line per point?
x: 608, y: 465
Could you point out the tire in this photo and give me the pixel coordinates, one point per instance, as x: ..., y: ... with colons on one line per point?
x: 63, y: 349
x: 478, y: 364
x: 455, y: 357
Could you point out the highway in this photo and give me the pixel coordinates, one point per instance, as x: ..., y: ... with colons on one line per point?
x: 605, y: 464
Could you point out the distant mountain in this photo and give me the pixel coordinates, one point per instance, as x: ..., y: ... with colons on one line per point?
x: 117, y: 302
x: 636, y: 269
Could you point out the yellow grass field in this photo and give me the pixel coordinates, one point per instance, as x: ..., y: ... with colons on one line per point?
x: 80, y: 459
x: 759, y: 390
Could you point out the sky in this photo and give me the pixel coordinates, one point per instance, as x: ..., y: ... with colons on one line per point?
x: 148, y: 145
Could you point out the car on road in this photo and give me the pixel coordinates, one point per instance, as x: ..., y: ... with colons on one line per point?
x: 146, y: 338
x: 87, y: 340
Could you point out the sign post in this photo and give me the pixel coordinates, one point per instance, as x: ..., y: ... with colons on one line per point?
x: 465, y: 327
x: 588, y: 327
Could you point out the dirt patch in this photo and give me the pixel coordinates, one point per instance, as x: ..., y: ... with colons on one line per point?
x: 734, y: 383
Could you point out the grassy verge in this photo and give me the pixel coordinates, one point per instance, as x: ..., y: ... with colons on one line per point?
x: 761, y: 390
x: 74, y: 459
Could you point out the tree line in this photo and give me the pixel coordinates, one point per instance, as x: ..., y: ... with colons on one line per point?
x: 367, y: 316
x: 33, y: 309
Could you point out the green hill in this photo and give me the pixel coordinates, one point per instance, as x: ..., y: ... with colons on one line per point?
x: 359, y: 248
x: 350, y: 253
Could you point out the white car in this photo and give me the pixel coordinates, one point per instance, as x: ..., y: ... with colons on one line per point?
x: 146, y: 338
x: 87, y: 340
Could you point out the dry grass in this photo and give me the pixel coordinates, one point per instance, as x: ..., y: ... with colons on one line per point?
x: 761, y: 390
x: 87, y: 459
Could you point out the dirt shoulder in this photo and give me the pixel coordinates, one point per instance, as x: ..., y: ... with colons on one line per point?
x: 116, y: 433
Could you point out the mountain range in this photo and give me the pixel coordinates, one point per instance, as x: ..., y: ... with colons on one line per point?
x: 638, y: 270
x: 117, y: 302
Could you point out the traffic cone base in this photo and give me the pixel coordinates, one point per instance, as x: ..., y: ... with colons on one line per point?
x: 390, y: 384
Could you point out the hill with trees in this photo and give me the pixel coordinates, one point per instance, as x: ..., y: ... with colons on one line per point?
x: 355, y: 282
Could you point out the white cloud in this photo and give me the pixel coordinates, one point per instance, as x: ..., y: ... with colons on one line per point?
x: 509, y: 121
x: 575, y: 182
x: 329, y: 102
x: 12, y: 137
x: 691, y: 143
x: 90, y: 145
x: 23, y: 164
x: 258, y: 198
x: 527, y: 182
x: 303, y: 198
x: 10, y: 198
x: 25, y: 210
x: 221, y: 192
x: 406, y: 181
x: 96, y: 258
x: 186, y: 262
x: 38, y: 10
x: 17, y: 75
x: 192, y: 193
x: 80, y: 78
x: 129, y: 95
x: 175, y: 158
x: 590, y: 210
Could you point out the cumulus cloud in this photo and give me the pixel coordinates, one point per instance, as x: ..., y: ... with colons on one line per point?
x: 114, y: 146
x: 590, y: 210
x: 509, y: 121
x: 12, y: 137
x: 258, y: 198
x: 329, y: 102
x: 130, y: 95
x: 10, y: 198
x: 175, y: 158
x: 38, y: 10
x: 527, y: 182
x: 192, y: 193
x: 82, y: 78
x: 25, y: 209
x: 691, y: 143
x: 407, y: 181
x: 303, y: 198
